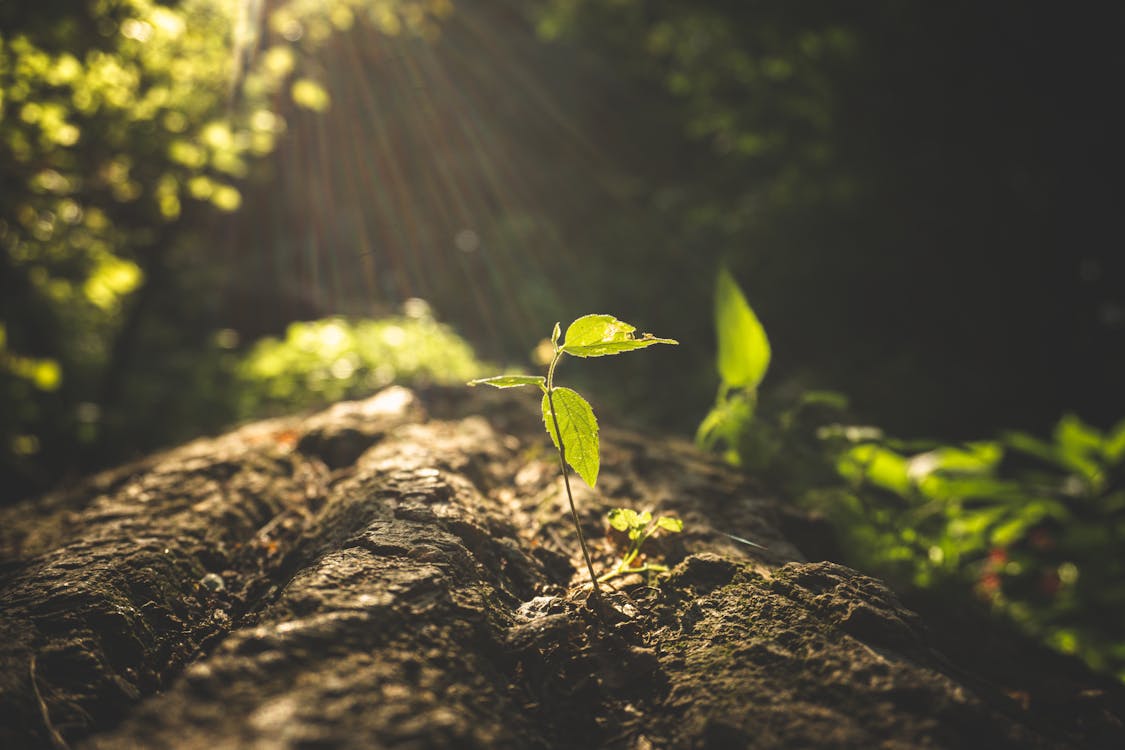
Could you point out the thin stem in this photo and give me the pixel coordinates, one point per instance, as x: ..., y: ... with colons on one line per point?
x: 566, y: 483
x: 622, y: 570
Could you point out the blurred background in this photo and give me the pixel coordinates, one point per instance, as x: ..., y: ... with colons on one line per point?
x: 212, y: 211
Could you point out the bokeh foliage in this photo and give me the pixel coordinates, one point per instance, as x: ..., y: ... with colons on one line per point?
x: 323, y: 361
x: 1035, y: 528
x: 126, y: 127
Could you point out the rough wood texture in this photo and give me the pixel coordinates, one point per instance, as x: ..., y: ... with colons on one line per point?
x: 401, y: 572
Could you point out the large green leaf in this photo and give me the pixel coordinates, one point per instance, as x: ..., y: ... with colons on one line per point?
x: 744, y: 350
x: 578, y: 429
x: 601, y: 335
x: 511, y: 381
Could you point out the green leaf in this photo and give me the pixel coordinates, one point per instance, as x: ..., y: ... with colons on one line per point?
x: 1009, y: 532
x: 880, y: 466
x: 594, y: 329
x: 674, y: 525
x: 555, y: 334
x: 578, y: 429
x: 744, y: 350
x: 601, y: 335
x: 726, y: 421
x: 511, y: 381
x: 1114, y: 448
x: 622, y: 518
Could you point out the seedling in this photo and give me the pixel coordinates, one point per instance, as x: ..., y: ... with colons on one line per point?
x: 743, y: 358
x: 638, y: 527
x: 567, y: 417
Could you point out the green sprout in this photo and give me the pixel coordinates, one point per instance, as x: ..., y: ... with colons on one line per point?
x: 567, y: 417
x: 638, y: 527
x: 743, y: 358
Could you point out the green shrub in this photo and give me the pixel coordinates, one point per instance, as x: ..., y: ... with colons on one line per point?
x: 327, y: 360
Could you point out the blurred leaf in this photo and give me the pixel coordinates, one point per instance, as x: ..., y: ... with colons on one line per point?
x: 726, y: 421
x: 310, y: 95
x: 622, y: 519
x: 744, y: 350
x: 1115, y: 444
x: 880, y: 466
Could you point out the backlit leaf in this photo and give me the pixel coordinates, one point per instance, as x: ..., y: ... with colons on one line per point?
x: 622, y: 519
x: 578, y: 429
x: 511, y: 381
x: 601, y: 335
x: 744, y: 350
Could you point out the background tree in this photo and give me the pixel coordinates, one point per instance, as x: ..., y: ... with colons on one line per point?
x: 126, y: 125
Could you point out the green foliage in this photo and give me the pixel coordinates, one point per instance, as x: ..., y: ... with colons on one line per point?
x: 743, y: 358
x: 567, y: 417
x: 123, y: 124
x: 602, y: 335
x: 513, y: 381
x: 570, y: 422
x: 744, y: 350
x: 327, y: 360
x: 1035, y: 527
x: 565, y: 413
x: 638, y: 528
x: 752, y: 83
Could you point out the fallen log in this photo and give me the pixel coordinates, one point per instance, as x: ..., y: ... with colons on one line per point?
x: 402, y: 572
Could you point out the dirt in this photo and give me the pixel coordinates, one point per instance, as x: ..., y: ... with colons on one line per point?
x: 402, y: 572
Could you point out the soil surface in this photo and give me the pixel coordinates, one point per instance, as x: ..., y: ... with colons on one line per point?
x: 403, y: 572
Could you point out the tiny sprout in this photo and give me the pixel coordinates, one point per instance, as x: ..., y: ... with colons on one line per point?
x: 569, y: 418
x: 638, y: 527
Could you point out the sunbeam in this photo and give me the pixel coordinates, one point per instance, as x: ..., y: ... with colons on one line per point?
x: 440, y: 170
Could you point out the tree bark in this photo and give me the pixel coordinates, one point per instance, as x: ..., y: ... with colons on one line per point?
x: 402, y: 572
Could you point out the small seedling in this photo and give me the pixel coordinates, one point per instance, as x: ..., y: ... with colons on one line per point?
x: 743, y: 358
x: 638, y: 527
x: 567, y: 417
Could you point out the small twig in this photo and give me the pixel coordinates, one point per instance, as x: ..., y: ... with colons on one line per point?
x: 57, y: 740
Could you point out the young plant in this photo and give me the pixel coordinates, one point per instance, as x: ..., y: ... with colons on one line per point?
x: 743, y: 358
x: 567, y: 417
x: 638, y: 527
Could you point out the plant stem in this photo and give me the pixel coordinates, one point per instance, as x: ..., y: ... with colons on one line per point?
x: 566, y: 482
x: 624, y: 571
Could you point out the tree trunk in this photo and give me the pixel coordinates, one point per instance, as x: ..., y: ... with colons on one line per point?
x: 402, y: 572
